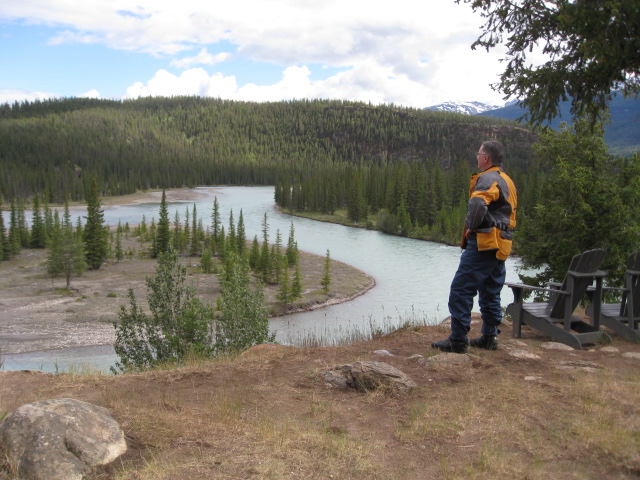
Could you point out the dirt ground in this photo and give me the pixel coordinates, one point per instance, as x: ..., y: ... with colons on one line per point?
x: 38, y: 313
x: 268, y: 414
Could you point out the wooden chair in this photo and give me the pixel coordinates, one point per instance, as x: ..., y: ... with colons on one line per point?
x: 624, y: 317
x: 563, y: 301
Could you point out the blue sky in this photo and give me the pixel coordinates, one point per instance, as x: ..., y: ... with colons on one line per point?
x: 408, y: 52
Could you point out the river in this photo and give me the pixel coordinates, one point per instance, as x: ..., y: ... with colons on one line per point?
x: 412, y: 276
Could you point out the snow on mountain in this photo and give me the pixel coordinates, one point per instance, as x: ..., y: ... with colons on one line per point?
x: 467, y: 108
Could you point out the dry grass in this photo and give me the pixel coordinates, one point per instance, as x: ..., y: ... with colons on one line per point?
x: 266, y: 414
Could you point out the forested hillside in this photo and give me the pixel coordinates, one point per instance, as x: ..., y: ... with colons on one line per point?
x: 53, y: 146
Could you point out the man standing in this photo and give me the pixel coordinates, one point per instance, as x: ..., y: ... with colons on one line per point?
x: 488, y: 232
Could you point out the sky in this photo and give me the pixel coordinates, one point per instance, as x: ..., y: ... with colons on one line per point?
x: 414, y: 53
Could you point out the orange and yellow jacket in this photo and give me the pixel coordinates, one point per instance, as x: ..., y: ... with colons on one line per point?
x: 491, y: 213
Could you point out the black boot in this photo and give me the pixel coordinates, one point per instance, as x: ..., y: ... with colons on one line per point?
x: 448, y: 345
x: 488, y: 342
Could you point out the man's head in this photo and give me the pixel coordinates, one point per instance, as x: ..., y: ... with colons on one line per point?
x: 490, y: 153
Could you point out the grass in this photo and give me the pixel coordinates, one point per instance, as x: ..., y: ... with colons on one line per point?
x: 266, y: 414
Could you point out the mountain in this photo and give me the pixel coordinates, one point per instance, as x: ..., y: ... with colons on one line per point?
x: 622, y: 133
x: 467, y: 108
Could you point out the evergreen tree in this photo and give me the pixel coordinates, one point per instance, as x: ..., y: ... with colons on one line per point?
x: 241, y: 235
x: 79, y: 230
x: 276, y: 256
x: 177, y: 239
x: 264, y: 266
x: 591, y: 47
x: 215, y: 222
x: 232, y: 241
x: 23, y: 229
x: 326, y: 274
x: 95, y: 233
x: 582, y: 206
x: 162, y: 234
x: 47, y: 218
x: 222, y: 242
x: 206, y: 261
x: 254, y: 255
x: 292, y: 247
x: 194, y: 249
x: 186, y: 233
x: 284, y: 292
x: 66, y: 252
x: 296, y: 285
x: 14, y: 231
x: 38, y: 232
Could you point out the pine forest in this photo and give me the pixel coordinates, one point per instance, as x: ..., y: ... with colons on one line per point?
x: 402, y: 170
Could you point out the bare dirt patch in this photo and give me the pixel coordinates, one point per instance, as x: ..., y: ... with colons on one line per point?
x: 38, y: 313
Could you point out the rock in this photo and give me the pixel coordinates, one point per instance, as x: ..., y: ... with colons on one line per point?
x: 365, y: 376
x: 451, y: 358
x: 579, y: 365
x: 385, y: 353
x: 512, y: 342
x: 60, y: 439
x: 610, y: 350
x: 532, y: 378
x: 635, y: 355
x: 556, y: 346
x: 339, y: 377
x: 523, y: 354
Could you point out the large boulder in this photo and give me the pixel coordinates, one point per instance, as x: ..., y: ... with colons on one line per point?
x: 60, y: 439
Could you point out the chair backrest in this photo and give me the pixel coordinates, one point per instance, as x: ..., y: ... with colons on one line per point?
x: 632, y: 283
x: 585, y: 262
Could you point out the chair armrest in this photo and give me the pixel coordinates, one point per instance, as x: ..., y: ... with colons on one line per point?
x: 596, y: 274
x: 521, y: 286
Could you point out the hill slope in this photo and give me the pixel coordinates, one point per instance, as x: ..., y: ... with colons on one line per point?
x: 174, y: 142
x: 268, y: 414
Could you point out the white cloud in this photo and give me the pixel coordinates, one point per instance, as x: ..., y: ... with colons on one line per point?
x: 202, y: 58
x: 191, y: 82
x: 410, y: 52
x: 90, y: 94
x: 11, y: 95
x: 368, y: 82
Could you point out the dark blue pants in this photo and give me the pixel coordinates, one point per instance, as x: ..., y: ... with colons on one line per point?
x: 478, y: 273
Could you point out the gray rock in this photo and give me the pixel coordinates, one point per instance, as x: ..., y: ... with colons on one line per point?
x: 523, y: 354
x: 365, y: 376
x: 556, y: 346
x: 338, y: 377
x: 579, y: 365
x: 610, y: 350
x: 513, y: 343
x: 60, y: 439
x: 634, y: 355
x: 385, y: 353
x: 450, y: 358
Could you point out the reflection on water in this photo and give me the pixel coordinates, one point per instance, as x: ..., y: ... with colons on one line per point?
x: 412, y: 276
